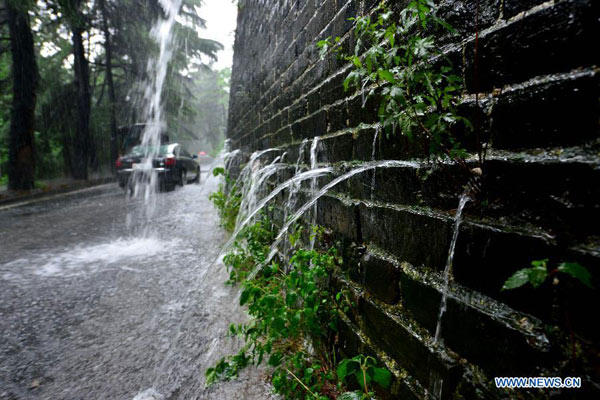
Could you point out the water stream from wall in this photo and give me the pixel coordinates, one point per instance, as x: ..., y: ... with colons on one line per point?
x: 297, y: 179
x: 255, y: 188
x: 373, y: 151
x: 457, y: 220
x: 436, y: 382
x: 314, y: 149
x: 290, y: 203
x: 302, y: 210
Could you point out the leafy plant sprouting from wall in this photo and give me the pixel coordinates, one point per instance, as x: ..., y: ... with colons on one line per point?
x: 294, y: 323
x: 226, y: 200
x: 396, y: 58
x: 538, y: 273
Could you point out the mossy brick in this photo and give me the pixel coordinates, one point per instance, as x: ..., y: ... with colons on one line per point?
x: 297, y: 110
x: 407, y: 348
x: 341, y: 217
x: 514, y: 7
x: 336, y: 148
x: 381, y: 278
x: 405, y: 232
x: 337, y: 116
x: 467, y: 17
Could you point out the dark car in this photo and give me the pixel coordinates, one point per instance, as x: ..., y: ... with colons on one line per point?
x: 172, y: 164
x: 131, y: 135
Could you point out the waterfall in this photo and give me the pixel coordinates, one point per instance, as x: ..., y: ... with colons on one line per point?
x: 457, y: 220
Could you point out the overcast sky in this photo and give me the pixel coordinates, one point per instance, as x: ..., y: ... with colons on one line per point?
x: 221, y: 17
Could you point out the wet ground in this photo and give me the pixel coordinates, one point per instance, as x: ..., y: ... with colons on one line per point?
x: 95, y: 303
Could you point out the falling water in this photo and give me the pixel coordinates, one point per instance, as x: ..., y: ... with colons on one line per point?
x: 245, y: 173
x: 436, y: 383
x: 293, y: 191
x: 322, y: 192
x: 292, y: 181
x: 313, y: 184
x: 144, y: 180
x: 373, y: 159
x: 251, y: 181
x: 255, y: 187
x: 457, y: 220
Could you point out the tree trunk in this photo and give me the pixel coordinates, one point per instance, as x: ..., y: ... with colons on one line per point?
x: 111, y: 87
x: 82, y: 82
x: 21, y: 166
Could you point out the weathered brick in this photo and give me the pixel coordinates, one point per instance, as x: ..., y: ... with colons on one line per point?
x: 552, y: 40
x: 513, y: 7
x: 405, y: 233
x: 404, y: 346
x: 539, y: 89
x: 337, y: 215
x: 560, y: 112
x: 381, y: 278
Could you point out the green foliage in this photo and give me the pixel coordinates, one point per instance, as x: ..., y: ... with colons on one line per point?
x: 538, y: 273
x: 289, y: 311
x: 364, y: 370
x: 226, y: 202
x: 295, y: 316
x: 195, y: 98
x: 295, y: 312
x: 398, y: 59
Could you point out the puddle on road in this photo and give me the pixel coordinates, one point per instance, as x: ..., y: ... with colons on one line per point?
x: 83, y: 260
x: 149, y: 394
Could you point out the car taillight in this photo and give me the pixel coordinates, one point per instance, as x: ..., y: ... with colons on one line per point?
x: 170, y: 162
x: 118, y: 163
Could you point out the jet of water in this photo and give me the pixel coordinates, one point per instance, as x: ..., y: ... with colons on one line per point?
x: 373, y: 159
x: 292, y: 181
x: 457, y: 220
x: 366, y: 167
x: 314, y: 148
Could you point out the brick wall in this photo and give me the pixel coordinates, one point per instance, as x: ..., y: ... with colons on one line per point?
x: 538, y: 83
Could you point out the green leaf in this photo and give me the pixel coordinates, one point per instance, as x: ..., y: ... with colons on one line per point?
x: 350, y: 396
x: 518, y: 279
x: 578, y: 272
x: 382, y: 376
x: 537, y: 275
x: 361, y: 378
x: 386, y: 75
x: 244, y: 297
x: 275, y: 359
x: 218, y: 171
x: 346, y: 368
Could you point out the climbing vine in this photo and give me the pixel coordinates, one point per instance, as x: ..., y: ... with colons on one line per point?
x: 396, y: 58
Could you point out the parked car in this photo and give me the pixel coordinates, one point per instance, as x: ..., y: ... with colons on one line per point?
x: 129, y: 136
x: 172, y: 164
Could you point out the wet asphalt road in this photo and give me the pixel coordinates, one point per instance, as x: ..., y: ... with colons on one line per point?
x: 98, y: 303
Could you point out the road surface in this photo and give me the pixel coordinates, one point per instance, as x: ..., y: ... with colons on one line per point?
x: 97, y: 301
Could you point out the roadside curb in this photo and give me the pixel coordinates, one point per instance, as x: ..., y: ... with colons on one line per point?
x: 63, y: 189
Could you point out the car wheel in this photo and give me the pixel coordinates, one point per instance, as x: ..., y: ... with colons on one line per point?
x: 197, y: 179
x: 182, y: 177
